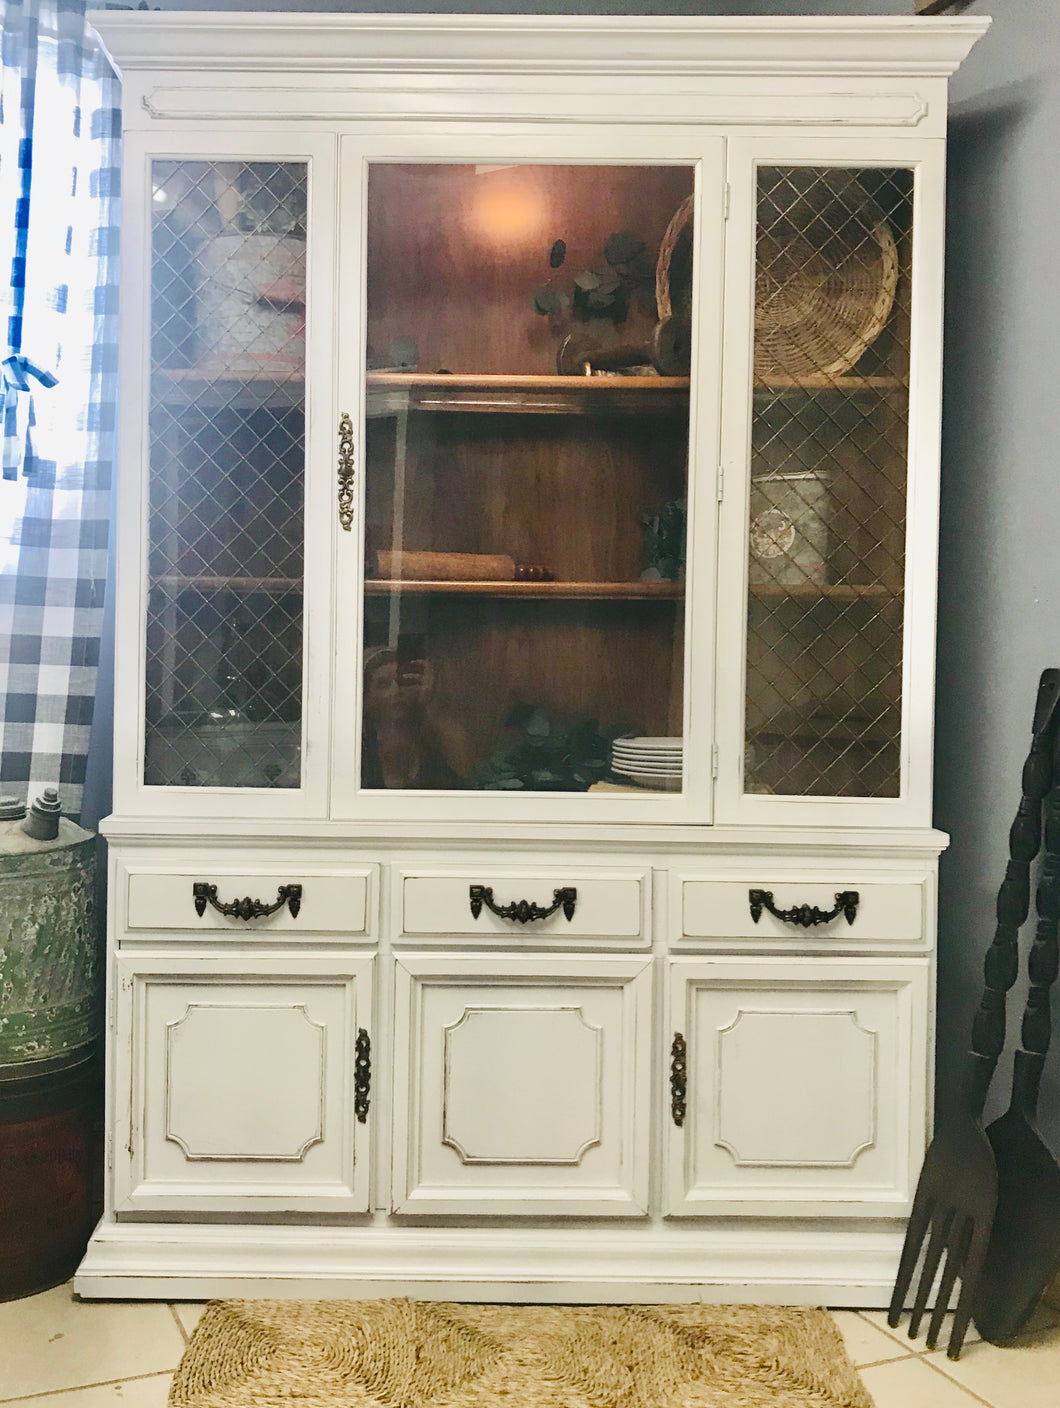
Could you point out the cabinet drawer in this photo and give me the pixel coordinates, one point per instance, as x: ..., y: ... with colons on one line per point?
x: 339, y: 902
x: 610, y: 905
x: 720, y: 908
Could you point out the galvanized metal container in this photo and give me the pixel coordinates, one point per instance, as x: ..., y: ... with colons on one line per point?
x: 249, y: 315
x: 49, y: 941
x: 50, y: 1035
x: 789, y: 529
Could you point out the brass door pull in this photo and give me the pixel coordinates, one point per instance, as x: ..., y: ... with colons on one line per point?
x: 362, y: 1075
x: 346, y: 472
x: 246, y: 908
x: 678, y: 1078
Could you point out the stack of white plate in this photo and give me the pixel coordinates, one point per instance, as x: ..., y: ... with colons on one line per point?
x: 649, y: 762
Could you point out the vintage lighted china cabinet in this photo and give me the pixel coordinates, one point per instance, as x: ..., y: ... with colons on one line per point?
x: 513, y: 894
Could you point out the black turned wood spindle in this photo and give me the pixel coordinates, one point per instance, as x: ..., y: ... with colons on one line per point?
x: 1013, y: 901
x: 1044, y: 959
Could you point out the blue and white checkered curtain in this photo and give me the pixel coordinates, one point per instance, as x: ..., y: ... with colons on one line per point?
x: 59, y: 176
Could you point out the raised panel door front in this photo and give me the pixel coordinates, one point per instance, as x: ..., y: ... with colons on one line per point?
x: 800, y: 1085
x: 521, y: 1085
x: 241, y: 1085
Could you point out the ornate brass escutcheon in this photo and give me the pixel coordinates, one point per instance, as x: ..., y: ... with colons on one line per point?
x: 678, y: 1078
x: 362, y: 1075
x: 346, y: 472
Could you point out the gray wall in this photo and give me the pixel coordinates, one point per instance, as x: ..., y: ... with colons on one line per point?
x: 999, y: 621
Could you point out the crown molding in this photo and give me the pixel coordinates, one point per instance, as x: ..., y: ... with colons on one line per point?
x: 597, y: 44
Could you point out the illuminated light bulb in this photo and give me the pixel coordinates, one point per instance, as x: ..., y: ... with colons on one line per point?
x: 504, y: 213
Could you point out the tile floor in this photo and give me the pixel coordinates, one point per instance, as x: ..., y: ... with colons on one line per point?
x: 58, y: 1352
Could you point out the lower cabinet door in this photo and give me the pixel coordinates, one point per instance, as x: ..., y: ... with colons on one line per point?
x: 796, y: 1086
x: 242, y: 1083
x: 521, y: 1085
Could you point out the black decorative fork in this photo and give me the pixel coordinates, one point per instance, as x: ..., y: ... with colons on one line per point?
x: 956, y: 1197
x: 1024, y: 1252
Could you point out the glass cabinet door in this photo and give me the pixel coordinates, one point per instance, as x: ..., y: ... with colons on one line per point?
x: 224, y: 629
x: 526, y: 470
x: 828, y: 465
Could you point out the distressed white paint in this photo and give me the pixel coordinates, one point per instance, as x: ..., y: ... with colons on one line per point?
x: 805, y: 1084
x: 522, y: 1074
x: 814, y: 1106
x: 332, y: 901
x: 613, y: 906
x: 521, y: 1084
x: 719, y: 909
x: 245, y: 1082
x: 235, y: 1076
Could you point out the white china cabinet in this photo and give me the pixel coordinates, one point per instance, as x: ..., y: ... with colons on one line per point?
x: 522, y: 879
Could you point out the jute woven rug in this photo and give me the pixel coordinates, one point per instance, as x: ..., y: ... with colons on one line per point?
x: 423, y: 1354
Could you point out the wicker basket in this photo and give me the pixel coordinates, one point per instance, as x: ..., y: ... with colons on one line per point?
x: 827, y: 269
x: 827, y: 273
x: 673, y: 268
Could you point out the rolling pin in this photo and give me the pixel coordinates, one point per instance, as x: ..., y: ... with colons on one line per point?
x: 454, y: 567
x: 669, y: 352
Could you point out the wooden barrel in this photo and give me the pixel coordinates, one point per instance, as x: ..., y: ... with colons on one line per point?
x: 50, y: 1065
x: 50, y: 1172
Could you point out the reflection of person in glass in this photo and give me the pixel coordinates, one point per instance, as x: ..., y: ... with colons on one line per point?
x: 405, y: 746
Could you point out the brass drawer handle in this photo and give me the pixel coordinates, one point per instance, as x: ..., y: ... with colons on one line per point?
x: 346, y: 472
x: 246, y: 908
x: 522, y: 910
x: 805, y: 915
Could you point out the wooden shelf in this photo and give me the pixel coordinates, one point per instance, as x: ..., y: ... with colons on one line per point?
x: 843, y: 385
x: 810, y: 737
x: 569, y: 591
x: 572, y: 591
x: 811, y: 591
x: 220, y: 390
x: 207, y: 373
x: 391, y: 392
x: 793, y: 725
x: 805, y: 592
x: 243, y: 585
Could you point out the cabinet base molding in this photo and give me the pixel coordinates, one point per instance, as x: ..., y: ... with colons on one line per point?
x: 764, y: 1264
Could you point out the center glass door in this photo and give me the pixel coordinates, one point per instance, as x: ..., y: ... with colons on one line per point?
x: 527, y: 349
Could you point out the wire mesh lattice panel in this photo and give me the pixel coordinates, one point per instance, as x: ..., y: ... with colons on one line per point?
x: 224, y: 627
x: 829, y: 433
